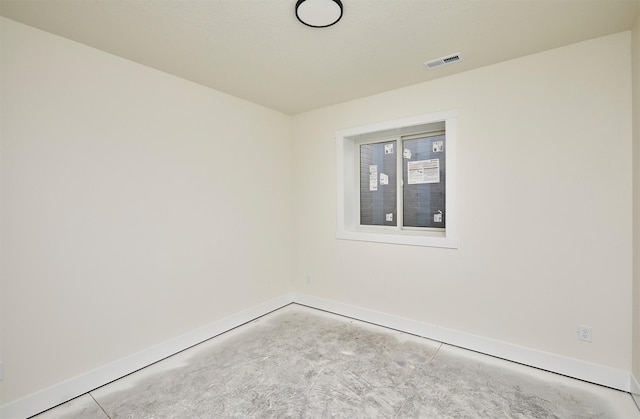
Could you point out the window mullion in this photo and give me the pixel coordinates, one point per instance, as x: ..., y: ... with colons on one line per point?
x: 399, y: 185
x: 356, y: 210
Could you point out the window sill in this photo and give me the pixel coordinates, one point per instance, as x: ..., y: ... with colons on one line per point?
x: 430, y: 240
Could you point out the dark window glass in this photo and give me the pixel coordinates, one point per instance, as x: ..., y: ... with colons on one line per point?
x: 378, y: 184
x: 423, y: 171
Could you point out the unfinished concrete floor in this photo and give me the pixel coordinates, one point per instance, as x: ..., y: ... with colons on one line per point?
x: 303, y: 363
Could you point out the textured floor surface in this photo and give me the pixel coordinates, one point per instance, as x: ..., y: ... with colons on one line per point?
x: 302, y: 363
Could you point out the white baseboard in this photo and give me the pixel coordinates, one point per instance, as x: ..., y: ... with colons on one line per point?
x: 70, y: 389
x: 582, y: 370
x: 67, y: 390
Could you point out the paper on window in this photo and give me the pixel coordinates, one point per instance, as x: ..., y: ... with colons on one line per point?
x: 388, y: 149
x: 407, y: 153
x: 438, y: 146
x: 373, y: 177
x: 389, y: 217
x: 423, y: 171
x: 384, y: 179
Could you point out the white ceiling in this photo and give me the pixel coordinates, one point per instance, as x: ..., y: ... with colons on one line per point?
x: 257, y: 50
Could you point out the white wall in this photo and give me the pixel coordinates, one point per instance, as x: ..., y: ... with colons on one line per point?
x: 636, y: 196
x: 136, y: 206
x: 545, y: 206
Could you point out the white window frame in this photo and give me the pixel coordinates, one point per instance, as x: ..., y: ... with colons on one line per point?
x: 348, y: 197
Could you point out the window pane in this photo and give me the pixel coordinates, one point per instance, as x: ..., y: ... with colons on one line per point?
x: 424, y: 179
x: 378, y: 184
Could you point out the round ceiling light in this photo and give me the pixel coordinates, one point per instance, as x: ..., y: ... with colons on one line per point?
x: 319, y: 13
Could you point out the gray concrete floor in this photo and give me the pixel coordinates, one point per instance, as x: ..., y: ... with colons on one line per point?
x: 303, y: 363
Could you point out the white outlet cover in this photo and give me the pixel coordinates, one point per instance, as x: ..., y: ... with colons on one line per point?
x: 584, y: 333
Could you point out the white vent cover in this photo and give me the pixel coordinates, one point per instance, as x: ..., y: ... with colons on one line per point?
x: 443, y: 60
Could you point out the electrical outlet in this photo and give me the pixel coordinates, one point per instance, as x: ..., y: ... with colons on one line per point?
x: 1, y: 370
x: 584, y: 333
x: 308, y: 279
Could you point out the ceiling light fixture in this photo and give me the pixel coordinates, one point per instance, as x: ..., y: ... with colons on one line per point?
x: 319, y: 13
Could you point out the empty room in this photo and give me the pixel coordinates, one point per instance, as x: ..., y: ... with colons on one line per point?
x: 319, y: 208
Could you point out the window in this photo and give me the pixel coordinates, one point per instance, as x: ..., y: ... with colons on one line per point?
x: 396, y: 181
x: 402, y: 181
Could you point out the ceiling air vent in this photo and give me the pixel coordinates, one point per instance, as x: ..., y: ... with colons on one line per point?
x: 442, y: 61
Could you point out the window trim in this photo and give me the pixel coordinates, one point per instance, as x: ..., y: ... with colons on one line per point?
x: 348, y: 224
